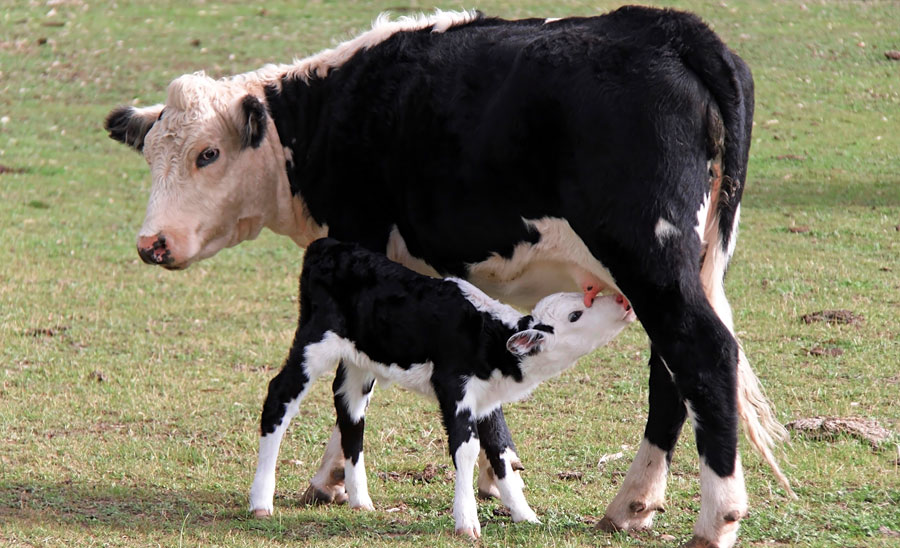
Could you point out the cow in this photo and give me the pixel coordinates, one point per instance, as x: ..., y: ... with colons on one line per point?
x: 527, y: 157
x: 373, y: 319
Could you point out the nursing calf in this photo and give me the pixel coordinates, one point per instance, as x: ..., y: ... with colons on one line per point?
x: 376, y: 320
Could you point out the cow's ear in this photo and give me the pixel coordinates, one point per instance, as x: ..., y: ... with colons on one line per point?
x: 130, y: 125
x: 526, y: 343
x: 251, y: 121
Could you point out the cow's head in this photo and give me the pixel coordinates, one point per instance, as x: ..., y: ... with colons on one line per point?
x: 564, y: 329
x: 214, y: 185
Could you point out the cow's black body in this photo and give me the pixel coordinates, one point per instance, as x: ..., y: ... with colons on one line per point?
x: 455, y: 137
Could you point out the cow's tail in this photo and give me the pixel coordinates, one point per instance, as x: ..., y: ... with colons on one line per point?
x: 729, y: 120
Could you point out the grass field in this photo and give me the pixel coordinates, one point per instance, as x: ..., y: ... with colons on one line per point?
x: 130, y: 396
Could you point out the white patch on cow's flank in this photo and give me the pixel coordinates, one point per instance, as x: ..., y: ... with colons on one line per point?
x: 702, y: 218
x: 398, y: 252
x: 559, y: 262
x: 665, y: 230
x: 723, y: 503
x: 551, y: 20
x: 645, y: 483
x: 732, y: 242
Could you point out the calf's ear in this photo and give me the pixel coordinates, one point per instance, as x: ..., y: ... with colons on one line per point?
x: 130, y: 125
x: 251, y: 121
x: 526, y: 343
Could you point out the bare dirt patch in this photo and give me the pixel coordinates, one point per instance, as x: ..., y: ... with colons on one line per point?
x: 833, y: 317
x: 829, y: 428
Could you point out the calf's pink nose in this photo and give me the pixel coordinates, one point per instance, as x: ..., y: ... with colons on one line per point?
x: 620, y: 299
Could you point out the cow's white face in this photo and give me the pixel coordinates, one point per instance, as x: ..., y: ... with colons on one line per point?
x: 216, y: 173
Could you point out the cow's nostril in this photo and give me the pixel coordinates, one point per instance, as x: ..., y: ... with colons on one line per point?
x: 153, y: 250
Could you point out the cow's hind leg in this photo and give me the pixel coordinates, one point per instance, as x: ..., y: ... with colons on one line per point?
x: 700, y: 355
x: 286, y: 391
x: 499, y: 463
x: 352, y: 389
x: 643, y: 492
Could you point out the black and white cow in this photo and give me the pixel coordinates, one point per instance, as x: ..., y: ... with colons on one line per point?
x: 374, y: 319
x: 527, y: 157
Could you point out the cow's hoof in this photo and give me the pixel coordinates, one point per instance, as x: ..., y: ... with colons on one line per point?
x: 262, y: 513
x: 699, y: 542
x: 469, y: 532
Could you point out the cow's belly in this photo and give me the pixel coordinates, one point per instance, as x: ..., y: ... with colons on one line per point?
x: 560, y: 261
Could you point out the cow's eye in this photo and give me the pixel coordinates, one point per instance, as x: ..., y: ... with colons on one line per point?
x: 207, y: 157
x: 573, y: 317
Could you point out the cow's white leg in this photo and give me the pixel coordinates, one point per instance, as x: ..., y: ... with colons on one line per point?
x: 642, y: 493
x: 723, y: 505
x: 327, y: 485
x: 465, y: 509
x: 510, y: 489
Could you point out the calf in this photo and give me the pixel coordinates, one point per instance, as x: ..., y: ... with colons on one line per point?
x: 375, y: 319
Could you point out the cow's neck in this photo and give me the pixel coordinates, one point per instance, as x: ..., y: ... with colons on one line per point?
x: 290, y: 216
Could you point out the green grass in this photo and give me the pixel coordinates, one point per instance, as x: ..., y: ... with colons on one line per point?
x: 161, y: 451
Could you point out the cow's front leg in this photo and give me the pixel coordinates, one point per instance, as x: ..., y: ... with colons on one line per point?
x: 352, y: 388
x: 499, y: 461
x: 644, y: 490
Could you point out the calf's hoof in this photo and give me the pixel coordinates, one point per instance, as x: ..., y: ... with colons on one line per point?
x: 262, y: 513
x: 469, y: 532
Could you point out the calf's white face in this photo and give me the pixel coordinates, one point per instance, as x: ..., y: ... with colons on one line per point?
x: 577, y: 329
x: 214, y: 185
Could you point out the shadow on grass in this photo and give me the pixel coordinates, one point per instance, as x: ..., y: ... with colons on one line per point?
x: 821, y: 192
x: 164, y: 512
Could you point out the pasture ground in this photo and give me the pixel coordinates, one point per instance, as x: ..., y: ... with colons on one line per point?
x: 130, y: 396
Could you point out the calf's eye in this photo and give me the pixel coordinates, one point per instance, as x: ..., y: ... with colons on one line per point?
x: 207, y: 157
x: 573, y: 317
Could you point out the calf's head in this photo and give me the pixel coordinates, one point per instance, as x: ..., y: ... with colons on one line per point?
x: 563, y: 328
x: 213, y: 183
